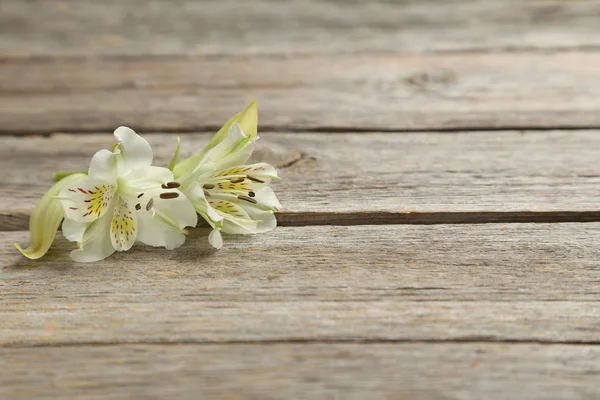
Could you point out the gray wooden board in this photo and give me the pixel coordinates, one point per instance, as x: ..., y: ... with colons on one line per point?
x: 350, y: 178
x: 504, y: 282
x: 323, y: 92
x: 50, y: 27
x: 303, y: 371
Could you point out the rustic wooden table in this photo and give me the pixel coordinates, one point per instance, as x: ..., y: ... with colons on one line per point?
x: 441, y: 187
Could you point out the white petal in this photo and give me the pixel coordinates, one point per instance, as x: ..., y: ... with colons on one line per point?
x: 232, y: 228
x: 103, y: 167
x: 267, y: 219
x: 73, y: 230
x: 135, y: 150
x: 263, y: 218
x: 229, y: 208
x: 236, y: 219
x: 145, y: 180
x: 253, y: 218
x: 247, y: 119
x: 236, y: 153
x: 123, y: 228
x: 162, y: 224
x: 235, y: 149
x: 179, y: 210
x: 154, y: 231
x: 86, y: 200
x: 215, y: 239
x: 96, y: 244
x: 260, y: 172
x: 264, y: 222
x: 266, y: 197
x: 196, y: 195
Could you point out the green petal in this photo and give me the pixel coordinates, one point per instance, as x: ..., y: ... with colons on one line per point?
x: 46, y: 218
x: 248, y: 120
x: 175, y: 155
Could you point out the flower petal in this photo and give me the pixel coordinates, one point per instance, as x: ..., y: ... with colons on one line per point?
x: 103, y: 167
x: 244, y: 182
x: 247, y: 119
x: 162, y: 225
x: 266, y: 219
x: 135, y: 150
x: 196, y: 195
x: 86, y: 200
x: 215, y: 239
x: 254, y: 218
x: 242, y: 219
x: 260, y: 172
x: 263, y: 221
x: 149, y: 179
x: 234, y: 150
x: 73, y: 231
x: 229, y: 209
x: 123, y: 227
x: 45, y: 219
x: 178, y: 210
x: 266, y: 197
x: 96, y: 244
x: 154, y: 231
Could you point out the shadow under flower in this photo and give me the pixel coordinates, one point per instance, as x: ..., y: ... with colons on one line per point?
x: 195, y: 249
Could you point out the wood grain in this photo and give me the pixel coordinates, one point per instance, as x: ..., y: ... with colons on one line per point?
x: 452, y: 310
x: 365, y: 178
x: 50, y: 27
x: 322, y: 92
x: 303, y: 371
x: 527, y: 283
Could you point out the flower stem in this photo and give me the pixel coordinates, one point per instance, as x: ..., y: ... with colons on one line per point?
x: 63, y: 174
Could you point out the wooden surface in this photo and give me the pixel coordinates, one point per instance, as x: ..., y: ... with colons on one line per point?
x: 392, y: 371
x: 142, y: 27
x: 507, y: 282
x: 389, y: 91
x: 441, y: 193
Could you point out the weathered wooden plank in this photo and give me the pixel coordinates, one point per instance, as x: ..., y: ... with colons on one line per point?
x: 52, y: 27
x: 365, y: 178
x: 343, y: 91
x: 303, y: 371
x: 532, y: 282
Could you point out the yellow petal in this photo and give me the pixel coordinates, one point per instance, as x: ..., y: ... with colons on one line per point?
x: 248, y: 120
x: 46, y: 218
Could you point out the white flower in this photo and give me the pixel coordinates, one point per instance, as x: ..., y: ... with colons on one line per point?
x: 124, y: 200
x: 231, y: 196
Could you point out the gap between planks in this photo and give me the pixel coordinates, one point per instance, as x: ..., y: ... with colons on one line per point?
x: 208, y: 129
x: 299, y: 341
x: 19, y: 220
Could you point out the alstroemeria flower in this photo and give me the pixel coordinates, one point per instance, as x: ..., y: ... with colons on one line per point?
x: 124, y: 200
x: 231, y: 196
